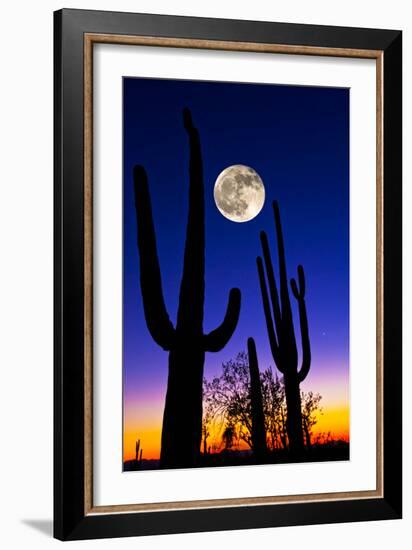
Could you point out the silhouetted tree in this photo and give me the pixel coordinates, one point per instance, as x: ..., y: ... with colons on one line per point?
x: 323, y: 438
x: 281, y: 331
x: 186, y: 342
x: 310, y: 411
x: 228, y: 437
x: 274, y: 409
x: 227, y: 397
x: 207, y: 419
x: 228, y: 403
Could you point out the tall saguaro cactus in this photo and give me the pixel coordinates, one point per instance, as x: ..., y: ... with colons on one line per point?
x: 186, y: 342
x: 256, y: 403
x: 281, y: 331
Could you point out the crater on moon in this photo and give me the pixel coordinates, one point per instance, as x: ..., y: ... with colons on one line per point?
x: 239, y: 193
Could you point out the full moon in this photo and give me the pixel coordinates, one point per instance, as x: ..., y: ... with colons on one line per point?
x: 239, y: 193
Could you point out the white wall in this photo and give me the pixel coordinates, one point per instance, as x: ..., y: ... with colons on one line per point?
x: 26, y: 145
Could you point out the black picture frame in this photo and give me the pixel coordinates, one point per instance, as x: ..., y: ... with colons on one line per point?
x: 70, y: 520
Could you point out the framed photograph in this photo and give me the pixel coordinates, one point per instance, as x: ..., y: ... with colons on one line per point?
x: 227, y: 274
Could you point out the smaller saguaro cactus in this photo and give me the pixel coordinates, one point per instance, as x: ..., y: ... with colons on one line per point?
x: 281, y: 331
x: 140, y: 458
x: 258, y: 419
x: 137, y: 450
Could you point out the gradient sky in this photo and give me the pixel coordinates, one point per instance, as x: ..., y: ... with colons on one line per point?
x: 297, y: 139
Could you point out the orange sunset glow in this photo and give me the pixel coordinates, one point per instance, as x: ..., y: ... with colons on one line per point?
x: 334, y: 420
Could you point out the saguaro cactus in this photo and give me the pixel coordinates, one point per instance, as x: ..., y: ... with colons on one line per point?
x: 256, y: 403
x: 186, y: 342
x: 281, y: 332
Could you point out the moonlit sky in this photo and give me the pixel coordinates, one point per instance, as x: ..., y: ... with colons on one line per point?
x: 297, y: 139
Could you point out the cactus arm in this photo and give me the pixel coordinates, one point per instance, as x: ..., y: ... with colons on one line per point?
x: 274, y: 346
x: 299, y: 294
x: 157, y: 318
x: 271, y: 279
x: 218, y: 338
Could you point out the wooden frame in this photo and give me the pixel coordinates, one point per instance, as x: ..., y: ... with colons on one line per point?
x: 75, y: 33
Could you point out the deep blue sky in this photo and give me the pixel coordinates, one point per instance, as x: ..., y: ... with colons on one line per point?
x: 297, y: 139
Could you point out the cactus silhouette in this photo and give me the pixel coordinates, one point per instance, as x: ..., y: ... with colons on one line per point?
x: 281, y: 332
x: 258, y: 419
x: 186, y: 342
x: 139, y: 454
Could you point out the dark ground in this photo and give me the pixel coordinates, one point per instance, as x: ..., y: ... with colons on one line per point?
x: 327, y: 452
